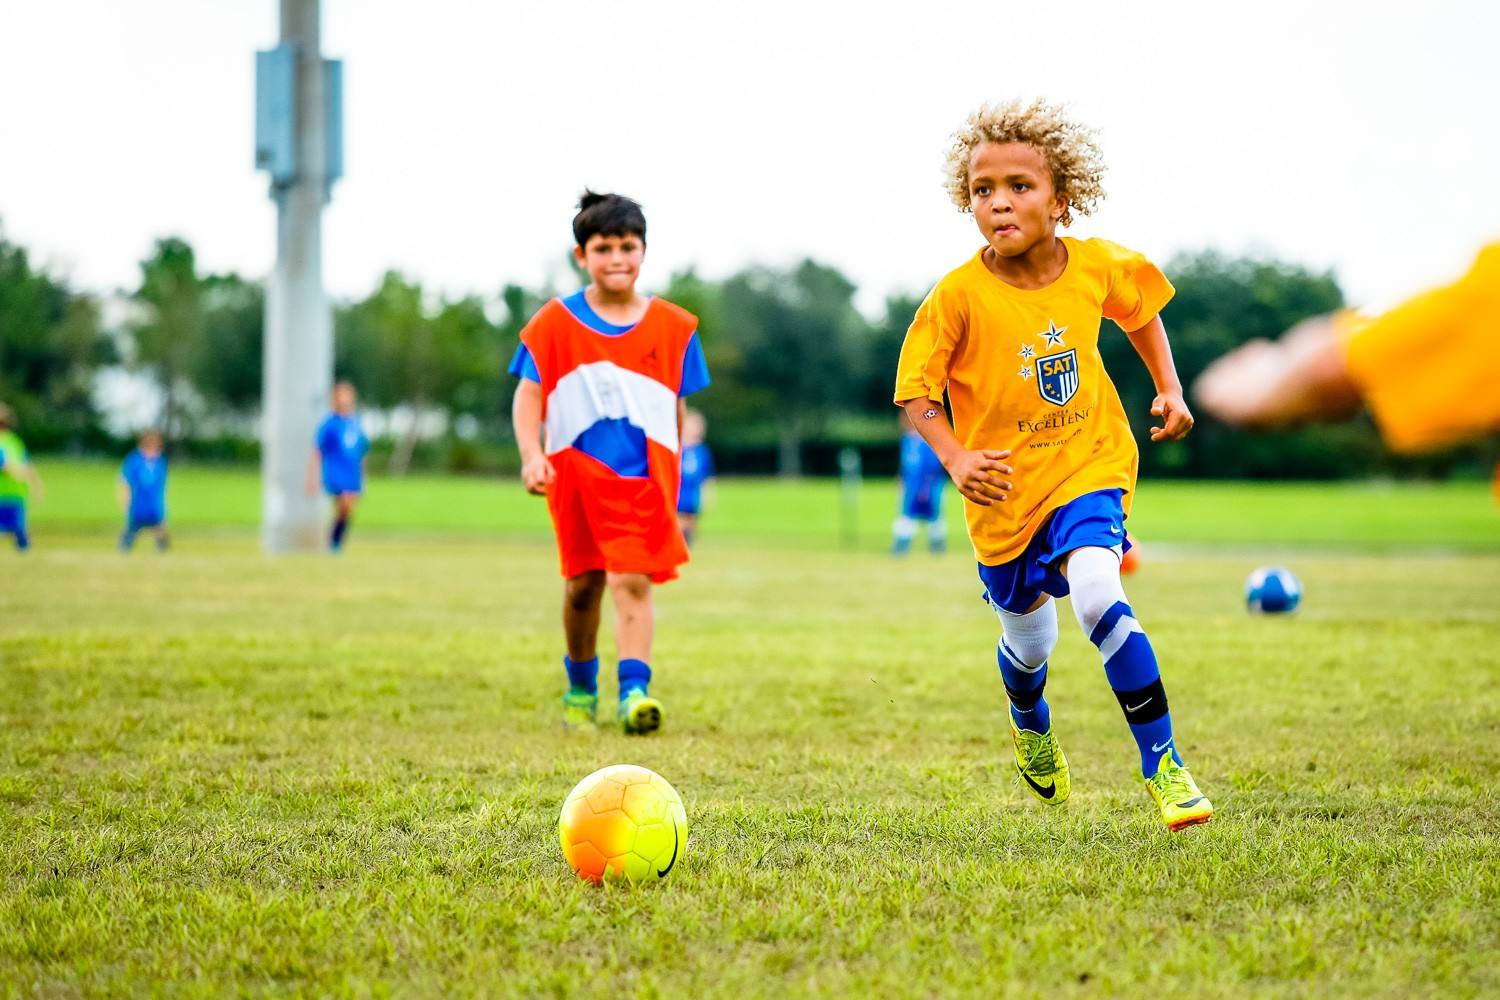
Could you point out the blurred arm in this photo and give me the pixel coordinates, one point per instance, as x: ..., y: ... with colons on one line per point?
x: 1302, y: 377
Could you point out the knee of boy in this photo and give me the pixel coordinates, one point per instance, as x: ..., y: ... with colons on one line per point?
x: 631, y: 586
x: 1033, y: 636
x: 584, y: 591
x: 1094, y: 585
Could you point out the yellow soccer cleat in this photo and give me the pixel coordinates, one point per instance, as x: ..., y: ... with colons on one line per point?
x: 1176, y: 793
x: 578, y: 711
x: 1041, y: 764
x: 640, y: 713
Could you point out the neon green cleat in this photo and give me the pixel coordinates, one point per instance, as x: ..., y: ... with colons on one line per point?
x: 579, y: 708
x: 639, y: 713
x: 1041, y: 764
x: 1176, y: 793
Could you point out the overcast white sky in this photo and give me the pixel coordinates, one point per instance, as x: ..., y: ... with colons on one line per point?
x: 1360, y: 136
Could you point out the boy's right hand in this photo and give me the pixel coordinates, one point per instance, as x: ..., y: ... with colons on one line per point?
x: 537, y: 473
x: 980, y: 475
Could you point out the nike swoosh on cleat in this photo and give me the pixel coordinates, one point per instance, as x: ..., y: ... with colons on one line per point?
x: 663, y: 872
x: 1159, y: 749
x: 1045, y: 793
x: 1137, y: 708
x: 1189, y: 802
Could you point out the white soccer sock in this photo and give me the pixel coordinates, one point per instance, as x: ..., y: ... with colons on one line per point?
x: 1094, y: 582
x: 1030, y: 637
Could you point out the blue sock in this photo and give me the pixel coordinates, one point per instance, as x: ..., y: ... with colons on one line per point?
x: 635, y: 675
x: 1130, y: 665
x: 1023, y: 685
x: 340, y: 529
x: 583, y: 675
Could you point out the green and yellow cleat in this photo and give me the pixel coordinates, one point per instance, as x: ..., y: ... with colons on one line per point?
x: 1041, y: 764
x: 1176, y: 793
x: 579, y: 708
x: 640, y: 713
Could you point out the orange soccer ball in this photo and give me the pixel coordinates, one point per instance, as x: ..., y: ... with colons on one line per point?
x: 1131, y: 561
x: 622, y: 822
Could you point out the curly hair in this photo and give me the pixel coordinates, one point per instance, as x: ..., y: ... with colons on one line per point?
x: 1068, y: 147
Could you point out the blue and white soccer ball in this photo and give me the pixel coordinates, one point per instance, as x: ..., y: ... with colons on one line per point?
x: 1272, y: 590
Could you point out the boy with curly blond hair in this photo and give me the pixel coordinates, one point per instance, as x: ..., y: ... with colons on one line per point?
x: 1039, y: 445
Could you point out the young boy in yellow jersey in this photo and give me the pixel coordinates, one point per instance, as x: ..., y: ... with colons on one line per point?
x: 1039, y: 444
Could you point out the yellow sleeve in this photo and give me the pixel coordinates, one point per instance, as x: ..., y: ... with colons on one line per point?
x: 922, y: 372
x: 1429, y: 370
x: 1136, y: 291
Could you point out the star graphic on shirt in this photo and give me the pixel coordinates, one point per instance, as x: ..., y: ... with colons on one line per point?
x: 1027, y: 352
x: 1054, y: 335
x: 1025, y: 372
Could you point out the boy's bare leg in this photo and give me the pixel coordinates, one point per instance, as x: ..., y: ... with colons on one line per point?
x: 582, y: 596
x: 343, y: 509
x: 634, y: 623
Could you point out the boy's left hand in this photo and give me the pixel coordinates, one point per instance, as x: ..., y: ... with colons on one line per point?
x: 1176, y: 418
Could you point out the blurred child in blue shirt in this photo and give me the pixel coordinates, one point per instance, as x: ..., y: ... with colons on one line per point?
x: 697, y: 469
x: 143, y: 492
x: 922, y: 479
x: 338, y: 459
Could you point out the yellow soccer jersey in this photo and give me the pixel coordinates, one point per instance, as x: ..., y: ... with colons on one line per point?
x: 1022, y: 371
x: 1429, y: 370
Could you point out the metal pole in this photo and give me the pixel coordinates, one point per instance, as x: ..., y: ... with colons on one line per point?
x: 850, y: 476
x: 299, y: 322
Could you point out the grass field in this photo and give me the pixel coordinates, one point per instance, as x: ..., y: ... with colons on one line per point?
x: 227, y: 774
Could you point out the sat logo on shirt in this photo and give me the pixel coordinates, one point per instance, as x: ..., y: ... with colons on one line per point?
x: 1057, y: 376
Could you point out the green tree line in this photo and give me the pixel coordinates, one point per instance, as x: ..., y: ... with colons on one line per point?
x: 799, y: 372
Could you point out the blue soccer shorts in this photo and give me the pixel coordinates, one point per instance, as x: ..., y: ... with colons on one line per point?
x: 922, y: 504
x: 12, y: 519
x: 1094, y: 519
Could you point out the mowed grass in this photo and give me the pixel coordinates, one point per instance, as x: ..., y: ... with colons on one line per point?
x: 227, y: 774
x: 1363, y: 516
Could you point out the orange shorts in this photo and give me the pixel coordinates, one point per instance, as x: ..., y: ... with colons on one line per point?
x: 620, y: 524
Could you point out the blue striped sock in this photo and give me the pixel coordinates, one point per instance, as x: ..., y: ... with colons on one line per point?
x: 1130, y: 666
x: 1023, y: 685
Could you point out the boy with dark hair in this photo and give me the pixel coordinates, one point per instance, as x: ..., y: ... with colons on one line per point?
x: 143, y: 491
x: 604, y: 373
x: 1040, y: 446
x: 17, y: 479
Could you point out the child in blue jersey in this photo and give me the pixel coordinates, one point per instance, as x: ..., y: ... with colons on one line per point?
x: 143, y: 492
x: 17, y: 479
x: 922, y: 479
x: 697, y: 470
x: 338, y: 458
